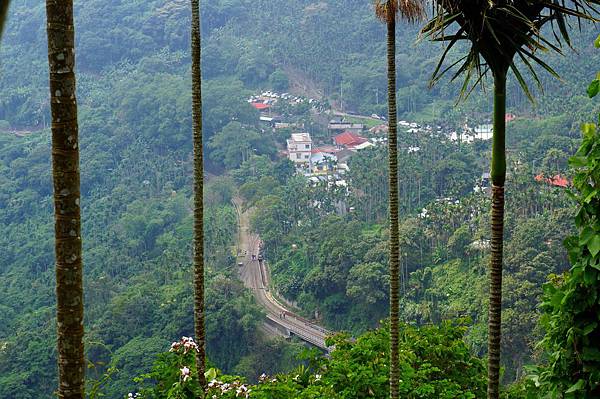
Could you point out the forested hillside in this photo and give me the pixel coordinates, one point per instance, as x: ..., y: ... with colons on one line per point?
x: 136, y: 157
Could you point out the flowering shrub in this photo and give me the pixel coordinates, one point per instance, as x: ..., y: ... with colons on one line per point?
x: 185, y: 345
x: 173, y: 375
x: 436, y: 364
x: 220, y: 389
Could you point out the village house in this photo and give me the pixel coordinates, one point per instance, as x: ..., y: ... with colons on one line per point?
x: 348, y: 140
x: 344, y: 155
x: 379, y: 129
x: 555, y: 181
x: 299, y: 148
x: 262, y: 107
x: 364, y: 146
x: 270, y: 121
x: 338, y: 126
x: 484, y: 184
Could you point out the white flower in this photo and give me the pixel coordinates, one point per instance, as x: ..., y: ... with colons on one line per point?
x: 185, y: 373
x: 242, y: 391
x: 225, y: 387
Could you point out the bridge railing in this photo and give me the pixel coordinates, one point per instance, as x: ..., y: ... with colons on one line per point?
x: 301, y: 333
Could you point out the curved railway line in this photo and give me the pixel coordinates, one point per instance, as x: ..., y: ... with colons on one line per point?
x: 255, y: 276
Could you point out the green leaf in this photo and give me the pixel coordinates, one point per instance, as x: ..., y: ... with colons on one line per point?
x: 594, y: 245
x: 589, y: 328
x: 578, y: 162
x: 590, y: 354
x: 210, y: 374
x: 588, y: 129
x: 597, y: 42
x: 578, y: 386
x: 557, y: 299
x: 586, y: 235
x: 593, y: 88
x: 590, y: 196
x: 589, y: 276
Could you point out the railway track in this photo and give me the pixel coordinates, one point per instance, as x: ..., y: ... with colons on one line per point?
x: 255, y: 276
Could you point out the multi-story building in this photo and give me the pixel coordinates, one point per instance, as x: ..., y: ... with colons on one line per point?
x: 299, y: 148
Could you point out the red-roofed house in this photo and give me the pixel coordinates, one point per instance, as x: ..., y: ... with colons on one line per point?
x: 260, y: 106
x: 559, y: 181
x: 556, y: 181
x: 348, y: 140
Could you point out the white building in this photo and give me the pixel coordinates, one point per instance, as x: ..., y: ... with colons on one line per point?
x: 299, y: 148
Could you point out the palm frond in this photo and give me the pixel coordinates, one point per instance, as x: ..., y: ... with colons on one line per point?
x: 499, y: 30
x: 410, y: 10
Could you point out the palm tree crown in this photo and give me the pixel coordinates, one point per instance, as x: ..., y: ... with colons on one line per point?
x: 410, y: 10
x: 499, y: 30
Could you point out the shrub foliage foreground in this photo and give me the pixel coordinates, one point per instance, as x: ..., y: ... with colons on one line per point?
x: 434, y: 362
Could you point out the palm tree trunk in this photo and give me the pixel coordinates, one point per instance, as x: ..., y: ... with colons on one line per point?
x: 3, y: 13
x: 65, y: 173
x: 393, y: 193
x: 498, y: 176
x: 198, y: 194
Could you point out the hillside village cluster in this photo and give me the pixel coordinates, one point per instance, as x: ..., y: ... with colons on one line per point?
x: 327, y: 161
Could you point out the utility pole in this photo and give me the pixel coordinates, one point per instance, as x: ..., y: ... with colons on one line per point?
x: 342, y: 95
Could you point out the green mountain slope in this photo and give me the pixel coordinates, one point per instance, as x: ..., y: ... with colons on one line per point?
x: 133, y: 64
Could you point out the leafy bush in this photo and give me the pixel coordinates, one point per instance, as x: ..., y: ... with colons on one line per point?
x: 572, y: 301
x: 435, y: 364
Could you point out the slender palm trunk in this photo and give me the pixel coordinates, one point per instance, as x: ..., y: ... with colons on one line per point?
x: 498, y: 176
x: 65, y: 173
x: 393, y: 193
x: 3, y: 13
x: 198, y: 194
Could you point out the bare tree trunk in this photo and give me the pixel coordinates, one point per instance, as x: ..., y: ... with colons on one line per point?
x: 498, y: 176
x: 3, y: 14
x: 198, y: 194
x: 393, y: 193
x: 65, y: 173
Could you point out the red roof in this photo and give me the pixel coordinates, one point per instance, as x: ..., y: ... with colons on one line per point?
x: 349, y: 139
x: 559, y: 181
x: 539, y: 177
x: 260, y: 106
x: 556, y: 181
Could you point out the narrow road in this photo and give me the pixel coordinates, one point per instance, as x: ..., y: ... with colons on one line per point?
x: 255, y: 276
